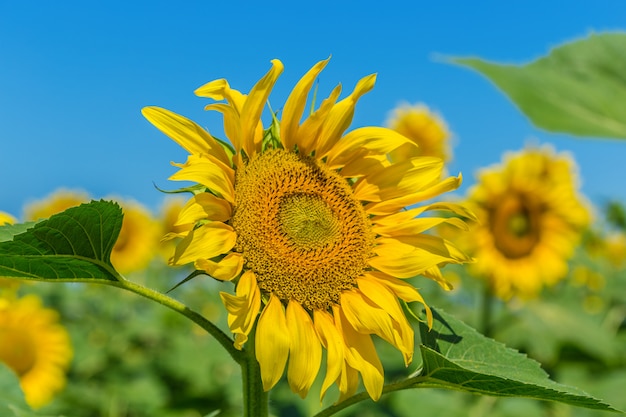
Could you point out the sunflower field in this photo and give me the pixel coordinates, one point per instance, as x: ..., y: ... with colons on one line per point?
x: 302, y: 267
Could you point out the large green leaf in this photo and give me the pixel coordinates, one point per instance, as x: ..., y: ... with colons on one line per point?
x: 74, y: 245
x: 455, y: 356
x: 579, y: 88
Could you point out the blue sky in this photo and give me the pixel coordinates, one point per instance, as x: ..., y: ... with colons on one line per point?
x: 75, y: 75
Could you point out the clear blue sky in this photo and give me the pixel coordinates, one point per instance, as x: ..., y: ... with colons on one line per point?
x: 74, y: 76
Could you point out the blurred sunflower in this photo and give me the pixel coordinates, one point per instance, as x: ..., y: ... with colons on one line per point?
x: 7, y: 286
x: 35, y: 346
x: 58, y: 201
x: 6, y: 218
x: 138, y: 239
x: 531, y: 218
x: 425, y: 128
x: 313, y: 226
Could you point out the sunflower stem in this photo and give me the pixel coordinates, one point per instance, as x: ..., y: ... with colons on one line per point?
x: 255, y: 398
x: 179, y: 307
x: 397, y: 386
x: 487, y: 309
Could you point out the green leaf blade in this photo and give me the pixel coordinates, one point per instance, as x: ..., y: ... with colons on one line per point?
x: 455, y: 356
x: 74, y: 245
x: 579, y: 88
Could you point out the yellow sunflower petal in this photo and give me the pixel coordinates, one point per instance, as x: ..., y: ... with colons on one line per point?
x: 207, y: 241
x: 308, y: 133
x: 242, y: 308
x: 232, y: 123
x: 396, y: 204
x: 185, y: 132
x: 305, y: 352
x: 210, y: 172
x: 419, y: 225
x: 220, y: 90
x: 400, y: 179
x: 294, y: 106
x: 361, y: 355
x: 348, y: 382
x: 365, y: 316
x: 340, y: 116
x: 253, y: 107
x: 375, y: 140
x: 386, y: 300
x: 224, y: 270
x: 272, y: 342
x: 332, y: 341
x: 204, y: 206
x: 403, y: 290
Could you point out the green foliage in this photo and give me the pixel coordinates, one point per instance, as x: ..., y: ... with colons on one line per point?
x: 455, y: 356
x: 71, y: 246
x: 579, y: 88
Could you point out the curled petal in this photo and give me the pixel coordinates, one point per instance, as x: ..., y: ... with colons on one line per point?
x: 361, y: 355
x: 224, y: 270
x: 204, y: 206
x: 242, y: 308
x: 207, y: 241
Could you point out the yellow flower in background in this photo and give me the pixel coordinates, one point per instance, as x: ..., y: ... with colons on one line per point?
x: 614, y: 246
x: 7, y: 285
x: 425, y: 128
x: 531, y: 217
x: 6, y: 218
x: 35, y: 346
x: 138, y: 239
x: 60, y: 200
x: 313, y: 226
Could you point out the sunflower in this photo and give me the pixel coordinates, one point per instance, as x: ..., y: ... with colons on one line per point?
x: 424, y: 127
x: 138, y: 239
x: 531, y: 217
x: 8, y: 286
x: 312, y: 224
x: 6, y: 218
x: 35, y: 346
x: 58, y: 201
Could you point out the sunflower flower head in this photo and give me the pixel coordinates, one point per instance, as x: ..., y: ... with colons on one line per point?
x: 425, y: 128
x: 35, y: 346
x: 312, y: 225
x: 56, y: 202
x: 531, y: 217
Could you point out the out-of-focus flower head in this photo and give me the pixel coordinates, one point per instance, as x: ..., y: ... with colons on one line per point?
x: 35, y: 346
x: 424, y: 127
x: 138, y: 239
x: 60, y: 200
x: 531, y: 217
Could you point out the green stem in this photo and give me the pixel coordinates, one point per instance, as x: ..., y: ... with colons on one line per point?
x: 179, y: 307
x: 397, y: 386
x: 487, y: 309
x: 255, y: 398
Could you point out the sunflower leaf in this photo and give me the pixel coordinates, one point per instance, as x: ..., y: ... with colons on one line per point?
x: 74, y: 245
x: 579, y: 88
x: 455, y: 356
x: 9, y: 230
